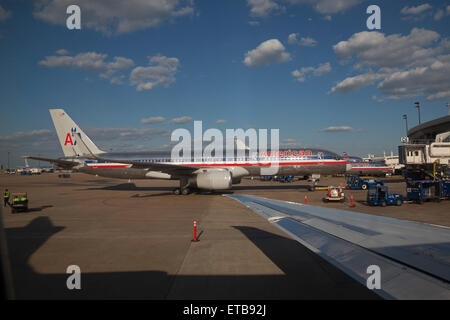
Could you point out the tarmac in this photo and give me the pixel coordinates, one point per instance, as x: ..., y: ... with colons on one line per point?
x: 134, y: 241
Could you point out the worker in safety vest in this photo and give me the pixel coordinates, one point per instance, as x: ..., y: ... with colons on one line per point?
x: 6, y: 197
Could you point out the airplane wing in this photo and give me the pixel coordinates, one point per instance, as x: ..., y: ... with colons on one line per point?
x: 66, y: 164
x: 414, y: 258
x: 172, y: 169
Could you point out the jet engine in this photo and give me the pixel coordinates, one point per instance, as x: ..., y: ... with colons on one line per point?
x: 218, y: 179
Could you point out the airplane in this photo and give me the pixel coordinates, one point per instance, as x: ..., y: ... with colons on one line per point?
x: 213, y: 174
x: 361, y: 167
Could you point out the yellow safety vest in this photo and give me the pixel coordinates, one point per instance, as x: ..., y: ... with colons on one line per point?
x: 6, y: 194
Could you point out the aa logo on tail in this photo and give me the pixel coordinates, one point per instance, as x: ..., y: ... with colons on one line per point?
x: 69, y: 135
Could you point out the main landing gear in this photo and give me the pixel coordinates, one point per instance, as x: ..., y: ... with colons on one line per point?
x: 183, y: 189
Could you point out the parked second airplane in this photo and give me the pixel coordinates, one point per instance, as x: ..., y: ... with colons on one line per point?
x: 81, y: 154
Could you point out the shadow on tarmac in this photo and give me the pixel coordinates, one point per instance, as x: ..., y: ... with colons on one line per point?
x: 35, y: 209
x: 152, y: 195
x: 130, y: 187
x: 273, y: 187
x: 304, y: 274
x: 39, y: 208
x: 133, y: 187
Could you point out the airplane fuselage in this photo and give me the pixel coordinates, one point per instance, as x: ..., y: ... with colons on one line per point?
x: 238, y: 167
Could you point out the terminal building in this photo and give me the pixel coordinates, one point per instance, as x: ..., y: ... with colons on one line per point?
x: 427, y: 147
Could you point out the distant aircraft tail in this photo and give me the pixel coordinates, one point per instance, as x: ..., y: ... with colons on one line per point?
x: 240, y: 144
x: 70, y: 135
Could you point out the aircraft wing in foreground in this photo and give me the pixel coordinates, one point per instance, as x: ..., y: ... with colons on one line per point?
x: 413, y: 259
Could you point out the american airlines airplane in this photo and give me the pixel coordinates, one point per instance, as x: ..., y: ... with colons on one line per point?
x: 81, y: 154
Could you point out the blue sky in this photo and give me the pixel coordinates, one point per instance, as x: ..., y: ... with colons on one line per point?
x: 173, y: 59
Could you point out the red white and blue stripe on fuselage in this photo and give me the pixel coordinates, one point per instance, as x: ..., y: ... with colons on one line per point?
x: 237, y: 162
x: 221, y: 163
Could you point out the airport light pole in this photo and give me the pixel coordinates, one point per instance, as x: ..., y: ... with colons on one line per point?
x: 8, y: 160
x: 406, y: 120
x: 418, y: 109
x: 448, y: 106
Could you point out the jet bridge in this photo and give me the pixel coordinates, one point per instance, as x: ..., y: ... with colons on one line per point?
x: 427, y: 148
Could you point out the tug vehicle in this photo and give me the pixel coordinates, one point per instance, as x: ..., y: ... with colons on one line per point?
x: 380, y: 196
x: 335, y: 194
x: 359, y: 183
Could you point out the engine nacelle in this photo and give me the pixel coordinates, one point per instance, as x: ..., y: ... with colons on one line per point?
x: 214, y: 180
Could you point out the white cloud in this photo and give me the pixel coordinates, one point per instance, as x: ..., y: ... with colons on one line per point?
x: 290, y: 143
x: 42, y: 142
x: 62, y: 52
x: 300, y: 75
x: 328, y: 6
x: 374, y: 48
x: 353, y: 83
x: 91, y: 61
x: 152, y: 120
x: 337, y: 129
x: 4, y: 14
x: 305, y: 42
x: 115, y: 16
x: 262, y: 8
x: 126, y: 134
x: 269, y: 51
x: 22, y: 136
x: 308, y: 42
x: 432, y: 80
x: 416, y: 10
x: 441, y: 13
x: 375, y: 98
x: 406, y: 66
x: 119, y: 80
x: 253, y: 23
x: 160, y: 72
x: 184, y: 119
x: 439, y: 95
x: 293, y: 38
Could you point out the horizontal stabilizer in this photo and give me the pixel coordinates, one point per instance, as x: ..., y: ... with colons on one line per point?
x: 65, y: 164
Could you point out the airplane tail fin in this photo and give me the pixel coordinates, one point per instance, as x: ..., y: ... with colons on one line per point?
x: 69, y: 134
